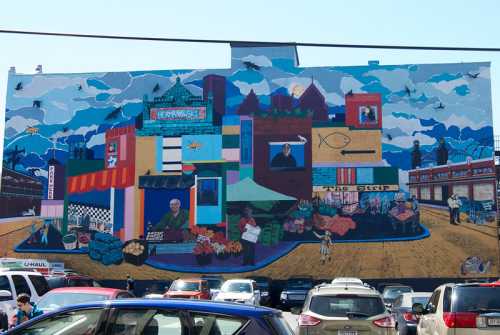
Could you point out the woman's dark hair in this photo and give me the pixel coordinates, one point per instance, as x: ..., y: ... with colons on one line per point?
x: 23, y: 298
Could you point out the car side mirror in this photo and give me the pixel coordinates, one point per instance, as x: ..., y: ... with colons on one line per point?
x: 388, y: 306
x: 5, y: 295
x: 296, y: 310
x: 418, y: 309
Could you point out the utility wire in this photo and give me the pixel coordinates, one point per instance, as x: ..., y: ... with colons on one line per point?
x: 253, y: 43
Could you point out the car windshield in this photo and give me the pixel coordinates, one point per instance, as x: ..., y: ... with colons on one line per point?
x: 351, y: 306
x: 236, y: 287
x: 299, y: 284
x: 181, y: 285
x: 214, y: 284
x: 476, y: 299
x: 394, y: 292
x: 51, y: 300
x: 80, y: 282
x: 419, y: 300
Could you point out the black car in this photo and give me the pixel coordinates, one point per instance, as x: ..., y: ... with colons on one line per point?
x: 264, y: 286
x: 295, y: 291
x: 71, y: 280
x: 406, y: 320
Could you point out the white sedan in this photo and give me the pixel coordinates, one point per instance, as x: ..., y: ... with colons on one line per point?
x: 243, y: 291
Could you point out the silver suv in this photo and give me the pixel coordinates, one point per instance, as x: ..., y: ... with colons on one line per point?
x: 345, y: 310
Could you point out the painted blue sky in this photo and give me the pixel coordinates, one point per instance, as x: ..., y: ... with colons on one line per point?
x: 423, y: 23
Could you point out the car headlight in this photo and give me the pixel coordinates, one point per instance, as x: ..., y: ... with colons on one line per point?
x: 283, y: 296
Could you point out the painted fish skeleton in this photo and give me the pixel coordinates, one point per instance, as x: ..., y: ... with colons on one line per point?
x: 334, y: 140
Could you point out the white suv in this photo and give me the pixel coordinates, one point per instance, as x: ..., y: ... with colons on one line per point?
x: 345, y: 310
x: 13, y: 283
x: 244, y: 291
x: 461, y: 309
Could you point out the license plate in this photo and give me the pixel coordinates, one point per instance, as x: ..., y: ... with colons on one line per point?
x: 494, y: 322
x: 347, y: 332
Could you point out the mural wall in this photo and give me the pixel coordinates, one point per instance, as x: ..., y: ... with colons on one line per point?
x: 230, y: 170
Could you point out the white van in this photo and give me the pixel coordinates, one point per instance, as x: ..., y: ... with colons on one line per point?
x: 13, y: 283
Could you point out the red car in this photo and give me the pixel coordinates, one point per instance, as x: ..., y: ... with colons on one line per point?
x: 65, y: 296
x: 193, y: 288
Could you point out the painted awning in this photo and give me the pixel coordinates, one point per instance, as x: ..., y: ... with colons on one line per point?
x: 166, y: 182
x: 120, y: 177
x: 249, y: 190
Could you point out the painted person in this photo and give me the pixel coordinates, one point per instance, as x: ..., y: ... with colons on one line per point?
x: 284, y: 159
x: 130, y: 284
x: 33, y: 236
x: 249, y: 235
x: 324, y: 248
x: 45, y: 233
x: 26, y: 310
x: 174, y: 222
x: 454, y: 209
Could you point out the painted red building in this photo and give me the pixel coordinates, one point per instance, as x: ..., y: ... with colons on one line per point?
x: 474, y: 180
x: 363, y: 111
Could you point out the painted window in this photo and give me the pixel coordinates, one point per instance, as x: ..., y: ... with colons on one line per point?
x: 425, y: 193
x: 286, y: 155
x: 425, y: 177
x: 461, y: 190
x: 438, y: 193
x: 171, y: 154
x: 483, y: 192
x: 459, y: 173
x: 485, y: 170
x: 208, y: 192
x: 413, y: 192
x: 246, y: 142
x: 112, y: 154
x: 440, y: 175
x: 367, y: 115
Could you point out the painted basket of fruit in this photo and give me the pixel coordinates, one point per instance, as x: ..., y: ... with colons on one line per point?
x: 135, y: 252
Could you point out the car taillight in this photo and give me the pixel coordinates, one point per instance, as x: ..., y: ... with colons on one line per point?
x: 387, y: 322
x: 307, y: 320
x: 409, y: 316
x: 460, y: 320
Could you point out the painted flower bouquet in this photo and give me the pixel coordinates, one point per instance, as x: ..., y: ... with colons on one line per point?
x: 203, y: 251
x: 234, y: 248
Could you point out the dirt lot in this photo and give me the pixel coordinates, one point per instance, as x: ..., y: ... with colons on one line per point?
x: 439, y: 255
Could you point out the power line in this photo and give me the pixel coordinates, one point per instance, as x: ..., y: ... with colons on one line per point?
x: 253, y: 43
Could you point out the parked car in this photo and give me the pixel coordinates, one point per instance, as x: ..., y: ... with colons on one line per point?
x: 158, y: 317
x: 61, y: 297
x: 192, y: 288
x: 391, y: 292
x: 461, y: 309
x: 264, y: 286
x: 345, y: 310
x: 295, y: 291
x: 214, y: 283
x: 71, y: 280
x: 13, y: 283
x: 244, y: 291
x: 406, y: 320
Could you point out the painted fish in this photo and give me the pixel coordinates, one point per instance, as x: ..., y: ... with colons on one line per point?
x: 334, y: 140
x: 194, y: 145
x: 32, y: 130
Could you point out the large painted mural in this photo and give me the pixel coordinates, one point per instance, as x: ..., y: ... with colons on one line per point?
x: 231, y: 170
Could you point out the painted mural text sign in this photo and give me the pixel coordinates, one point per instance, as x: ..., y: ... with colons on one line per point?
x: 178, y: 113
x: 50, y: 187
x: 357, y: 188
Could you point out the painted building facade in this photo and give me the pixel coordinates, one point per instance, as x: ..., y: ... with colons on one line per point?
x: 231, y: 170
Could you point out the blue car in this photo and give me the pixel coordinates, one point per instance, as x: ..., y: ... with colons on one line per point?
x: 157, y: 317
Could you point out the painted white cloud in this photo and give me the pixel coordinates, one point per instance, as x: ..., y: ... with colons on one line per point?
x: 85, y: 130
x: 60, y: 105
x: 403, y: 180
x: 351, y: 83
x: 43, y: 84
x: 98, y: 139
x: 262, y: 61
x: 448, y: 86
x: 42, y: 173
x: 484, y: 72
x: 394, y: 80
x: 20, y: 124
x: 408, y: 126
x: 407, y: 141
x: 462, y: 122
x: 260, y: 88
